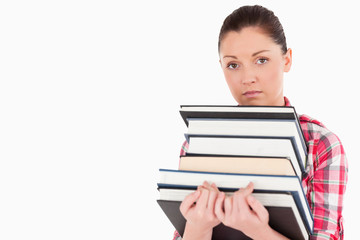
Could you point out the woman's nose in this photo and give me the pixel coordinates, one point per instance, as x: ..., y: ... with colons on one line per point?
x: 248, y: 77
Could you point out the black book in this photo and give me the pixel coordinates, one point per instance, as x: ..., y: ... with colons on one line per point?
x: 284, y: 216
x: 180, y: 180
x: 236, y: 112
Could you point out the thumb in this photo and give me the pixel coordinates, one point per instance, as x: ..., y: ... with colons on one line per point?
x: 258, y: 209
x: 249, y: 188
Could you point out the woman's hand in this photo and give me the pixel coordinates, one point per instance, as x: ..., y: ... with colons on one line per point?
x: 198, y: 210
x: 245, y: 213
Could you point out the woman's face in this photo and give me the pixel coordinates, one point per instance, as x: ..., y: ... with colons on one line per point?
x: 253, y: 66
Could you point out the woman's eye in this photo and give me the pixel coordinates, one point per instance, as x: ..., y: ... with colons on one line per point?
x: 233, y: 66
x: 261, y: 61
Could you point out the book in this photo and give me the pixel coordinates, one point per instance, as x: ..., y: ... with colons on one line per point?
x: 247, y: 146
x: 178, y: 179
x: 234, y: 145
x: 237, y: 164
x: 288, y: 128
x: 284, y: 216
x: 236, y: 112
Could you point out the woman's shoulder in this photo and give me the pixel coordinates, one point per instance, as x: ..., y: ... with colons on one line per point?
x: 307, y: 121
x: 314, y: 130
x: 321, y: 142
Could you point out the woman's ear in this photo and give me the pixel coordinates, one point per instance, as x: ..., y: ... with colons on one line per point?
x: 288, y: 60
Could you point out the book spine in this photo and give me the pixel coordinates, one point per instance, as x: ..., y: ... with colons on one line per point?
x: 235, y: 115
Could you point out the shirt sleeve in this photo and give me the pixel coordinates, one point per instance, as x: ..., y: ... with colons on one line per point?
x: 327, y: 187
x: 184, y: 148
x: 176, y: 236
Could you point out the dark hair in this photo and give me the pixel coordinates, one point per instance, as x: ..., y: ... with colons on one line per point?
x: 254, y: 16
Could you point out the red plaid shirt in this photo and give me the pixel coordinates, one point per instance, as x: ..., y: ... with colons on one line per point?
x: 325, y: 180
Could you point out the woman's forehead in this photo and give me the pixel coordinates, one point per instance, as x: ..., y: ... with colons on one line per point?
x: 248, y: 41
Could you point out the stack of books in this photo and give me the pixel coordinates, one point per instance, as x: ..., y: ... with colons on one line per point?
x: 234, y: 145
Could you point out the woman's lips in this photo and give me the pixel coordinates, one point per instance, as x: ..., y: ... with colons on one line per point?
x: 252, y: 94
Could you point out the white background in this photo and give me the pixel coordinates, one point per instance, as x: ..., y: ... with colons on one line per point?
x: 89, y: 99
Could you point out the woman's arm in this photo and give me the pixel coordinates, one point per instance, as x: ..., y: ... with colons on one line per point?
x: 243, y: 212
x: 198, y: 210
x: 326, y: 187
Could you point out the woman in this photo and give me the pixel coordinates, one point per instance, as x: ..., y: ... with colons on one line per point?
x: 254, y: 56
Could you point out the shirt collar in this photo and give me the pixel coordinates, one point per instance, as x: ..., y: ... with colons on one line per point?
x: 287, y: 102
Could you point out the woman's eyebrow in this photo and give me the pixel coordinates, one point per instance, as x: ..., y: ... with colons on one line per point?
x: 229, y: 56
x: 254, y: 54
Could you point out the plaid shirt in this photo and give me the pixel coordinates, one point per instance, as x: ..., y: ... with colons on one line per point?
x: 324, y: 181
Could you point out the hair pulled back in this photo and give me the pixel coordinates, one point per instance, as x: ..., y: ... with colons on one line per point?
x: 254, y: 16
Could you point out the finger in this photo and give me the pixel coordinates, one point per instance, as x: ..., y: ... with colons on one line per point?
x: 213, y: 185
x: 258, y: 208
x: 188, y: 202
x: 240, y: 203
x: 219, y: 206
x: 228, y: 202
x: 213, y: 193
x: 203, y: 199
x: 248, y: 189
x: 206, y: 184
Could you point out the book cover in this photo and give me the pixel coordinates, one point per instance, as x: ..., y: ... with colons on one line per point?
x: 284, y: 219
x: 177, y: 179
x: 231, y: 112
